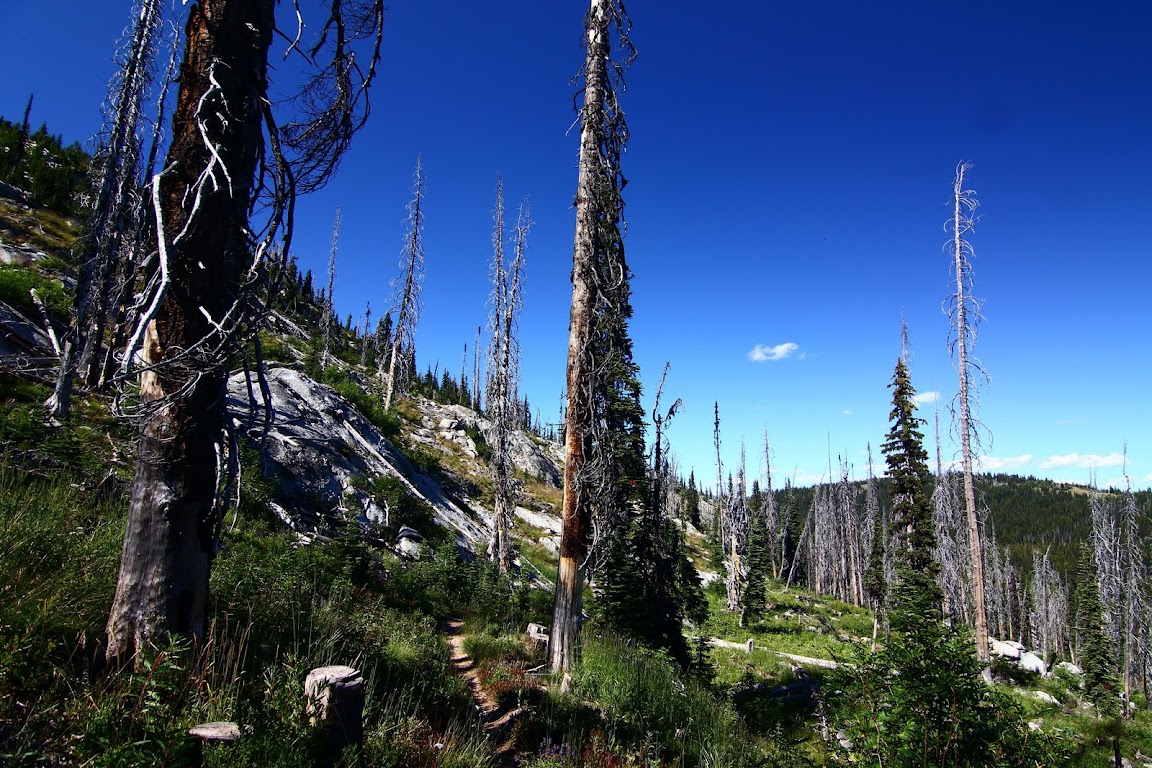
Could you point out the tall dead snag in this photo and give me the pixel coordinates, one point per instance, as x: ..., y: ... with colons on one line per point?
x: 327, y: 307
x: 202, y: 298
x: 407, y: 289
x: 774, y: 528
x: 503, y: 373
x: 737, y: 520
x: 598, y: 348
x: 1135, y: 608
x: 114, y: 188
x: 964, y: 313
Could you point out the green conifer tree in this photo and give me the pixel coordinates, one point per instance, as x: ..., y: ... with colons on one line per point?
x: 755, y: 595
x: 650, y: 587
x: 1097, y: 654
x: 922, y: 700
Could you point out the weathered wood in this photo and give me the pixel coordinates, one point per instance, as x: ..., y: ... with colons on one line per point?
x: 961, y: 222
x: 335, y: 697
x: 222, y: 734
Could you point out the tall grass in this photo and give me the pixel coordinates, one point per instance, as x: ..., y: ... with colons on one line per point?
x: 277, y: 611
x: 631, y: 706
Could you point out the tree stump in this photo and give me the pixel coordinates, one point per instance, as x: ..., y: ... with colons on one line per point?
x: 336, y: 702
x: 222, y: 733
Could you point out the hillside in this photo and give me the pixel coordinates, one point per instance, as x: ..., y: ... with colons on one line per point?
x: 359, y: 536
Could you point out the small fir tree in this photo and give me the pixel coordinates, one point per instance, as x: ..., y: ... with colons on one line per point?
x: 755, y: 595
x: 922, y: 700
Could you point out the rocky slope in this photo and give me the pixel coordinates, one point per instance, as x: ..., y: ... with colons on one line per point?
x: 325, y: 456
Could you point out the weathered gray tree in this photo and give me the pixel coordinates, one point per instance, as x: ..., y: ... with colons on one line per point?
x: 209, y: 255
x: 327, y: 307
x: 597, y: 341
x: 406, y: 289
x: 503, y: 372
x: 964, y: 313
x: 115, y: 187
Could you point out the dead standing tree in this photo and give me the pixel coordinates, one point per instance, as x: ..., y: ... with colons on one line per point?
x: 327, y: 307
x: 737, y: 519
x: 407, y: 288
x: 114, y: 196
x: 503, y: 375
x: 599, y: 286
x: 963, y: 310
x: 215, y: 176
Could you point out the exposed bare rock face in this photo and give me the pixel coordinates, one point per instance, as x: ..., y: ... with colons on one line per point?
x: 322, y: 450
x: 534, y: 457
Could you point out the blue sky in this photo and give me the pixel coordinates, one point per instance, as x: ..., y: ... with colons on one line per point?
x: 790, y: 171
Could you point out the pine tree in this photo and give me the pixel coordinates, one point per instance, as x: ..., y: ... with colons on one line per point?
x: 692, y: 501
x: 917, y: 598
x: 650, y: 586
x: 1097, y: 652
x: 923, y: 700
x: 756, y: 586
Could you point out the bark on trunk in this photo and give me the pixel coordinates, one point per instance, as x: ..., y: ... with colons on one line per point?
x: 205, y: 195
x: 563, y: 646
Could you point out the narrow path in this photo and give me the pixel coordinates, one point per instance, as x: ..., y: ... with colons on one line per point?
x: 499, y: 724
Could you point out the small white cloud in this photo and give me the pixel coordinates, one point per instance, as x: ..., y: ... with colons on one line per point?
x: 996, y: 463
x: 926, y: 397
x: 763, y: 353
x: 802, y: 478
x: 847, y: 411
x: 1082, y: 461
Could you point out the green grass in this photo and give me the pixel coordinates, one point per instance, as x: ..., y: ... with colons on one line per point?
x: 644, y: 713
x: 44, y: 230
x: 16, y: 284
x: 802, y: 633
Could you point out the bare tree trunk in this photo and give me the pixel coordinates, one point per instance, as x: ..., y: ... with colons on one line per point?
x: 963, y: 204
x: 503, y: 375
x: 327, y: 307
x: 412, y: 266
x: 111, y: 211
x: 168, y: 546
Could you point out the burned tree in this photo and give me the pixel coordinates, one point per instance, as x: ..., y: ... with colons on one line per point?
x: 327, y: 307
x: 603, y: 419
x: 209, y: 253
x: 503, y: 373
x: 407, y: 290
x: 964, y: 313
x: 115, y: 190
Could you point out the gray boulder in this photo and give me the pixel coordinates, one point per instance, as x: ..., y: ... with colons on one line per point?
x: 1032, y: 663
x: 1005, y: 649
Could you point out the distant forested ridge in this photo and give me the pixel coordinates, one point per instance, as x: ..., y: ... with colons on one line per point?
x: 1028, y: 513
x: 40, y: 164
